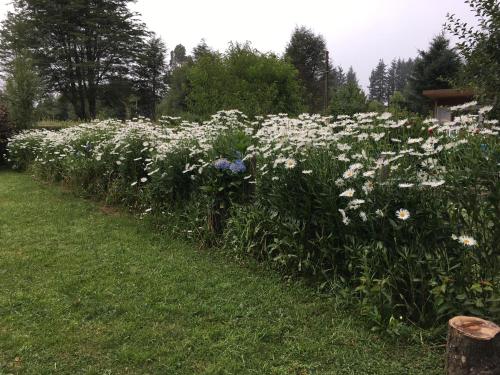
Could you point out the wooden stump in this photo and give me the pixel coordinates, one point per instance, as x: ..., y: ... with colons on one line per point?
x: 473, y: 347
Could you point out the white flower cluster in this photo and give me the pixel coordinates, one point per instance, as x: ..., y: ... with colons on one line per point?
x: 358, y: 155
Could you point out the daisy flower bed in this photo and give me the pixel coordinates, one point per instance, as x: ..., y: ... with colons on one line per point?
x: 399, y: 215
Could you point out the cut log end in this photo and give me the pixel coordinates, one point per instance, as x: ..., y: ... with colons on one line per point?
x: 475, y: 328
x: 473, y: 347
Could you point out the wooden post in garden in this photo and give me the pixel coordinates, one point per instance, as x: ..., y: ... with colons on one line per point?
x: 473, y: 347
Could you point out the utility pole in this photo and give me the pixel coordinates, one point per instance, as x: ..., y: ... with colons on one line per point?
x: 325, y: 104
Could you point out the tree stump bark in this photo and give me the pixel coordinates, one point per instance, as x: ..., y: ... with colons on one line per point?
x: 473, y: 347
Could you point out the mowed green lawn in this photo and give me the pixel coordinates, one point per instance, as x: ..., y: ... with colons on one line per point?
x: 90, y: 291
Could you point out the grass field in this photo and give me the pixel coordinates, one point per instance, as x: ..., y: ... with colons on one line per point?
x: 88, y: 290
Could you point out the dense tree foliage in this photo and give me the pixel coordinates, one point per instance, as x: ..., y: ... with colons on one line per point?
x: 178, y: 57
x: 435, y: 68
x: 351, y: 77
x: 118, y: 98
x: 175, y: 102
x: 397, y: 76
x: 201, y: 49
x: 307, y: 52
x: 21, y: 91
x: 242, y: 78
x: 76, y: 45
x: 378, y: 83
x: 349, y: 98
x: 480, y: 48
x: 151, y: 76
x: 95, y: 59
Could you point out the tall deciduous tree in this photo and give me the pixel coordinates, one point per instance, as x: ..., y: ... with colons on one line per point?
x: 242, y: 78
x: 435, y: 68
x: 76, y: 45
x: 307, y: 52
x: 480, y: 47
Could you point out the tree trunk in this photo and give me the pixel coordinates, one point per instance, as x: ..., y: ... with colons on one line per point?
x: 92, y: 100
x: 473, y: 347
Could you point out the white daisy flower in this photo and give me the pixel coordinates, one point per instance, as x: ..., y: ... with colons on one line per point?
x: 485, y: 109
x: 467, y: 240
x: 414, y: 140
x: 144, y: 179
x: 339, y: 182
x: 350, y: 173
x: 403, y: 214
x: 368, y: 187
x: 433, y: 183
x: 290, y: 163
x: 357, y: 202
x: 349, y: 193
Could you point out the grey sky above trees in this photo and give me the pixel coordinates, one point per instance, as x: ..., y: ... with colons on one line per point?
x: 357, y: 32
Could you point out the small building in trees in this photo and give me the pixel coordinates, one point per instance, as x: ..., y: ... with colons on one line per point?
x: 444, y: 98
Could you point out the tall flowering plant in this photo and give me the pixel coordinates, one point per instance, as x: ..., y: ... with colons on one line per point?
x: 402, y: 213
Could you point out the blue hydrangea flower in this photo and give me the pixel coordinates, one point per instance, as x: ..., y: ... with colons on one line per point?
x: 88, y: 147
x: 222, y: 164
x: 238, y: 166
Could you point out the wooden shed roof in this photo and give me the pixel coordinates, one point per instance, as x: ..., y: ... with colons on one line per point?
x: 448, y: 94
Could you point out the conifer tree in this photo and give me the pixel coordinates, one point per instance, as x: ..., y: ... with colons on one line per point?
x: 307, y: 52
x: 378, y: 83
x: 435, y: 68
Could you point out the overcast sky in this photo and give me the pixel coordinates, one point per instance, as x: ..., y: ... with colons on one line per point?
x: 358, y: 32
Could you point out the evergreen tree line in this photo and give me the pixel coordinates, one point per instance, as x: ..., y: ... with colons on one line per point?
x: 403, y: 81
x: 385, y: 80
x: 81, y: 60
